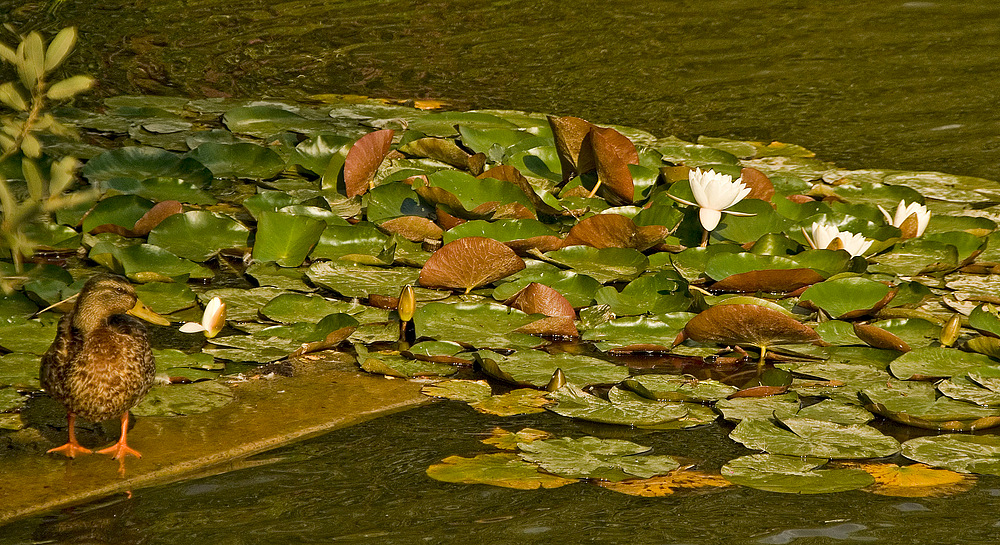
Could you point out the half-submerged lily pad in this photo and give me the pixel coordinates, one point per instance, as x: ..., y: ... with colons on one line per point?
x: 793, y: 475
x: 593, y: 458
x: 805, y: 437
x: 961, y: 453
x: 918, y: 404
x: 501, y: 469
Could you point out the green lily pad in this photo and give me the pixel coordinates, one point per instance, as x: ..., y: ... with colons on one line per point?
x: 251, y: 348
x: 678, y: 388
x: 395, y: 365
x: 198, y: 235
x: 242, y: 305
x: 916, y: 256
x: 917, y: 404
x: 172, y: 358
x: 830, y: 410
x: 286, y: 239
x: 165, y: 298
x: 504, y: 230
x: 962, y: 388
x: 481, y: 325
x: 805, y: 436
x: 936, y: 362
x: 266, y: 120
x: 393, y: 200
x: 593, y: 458
x: 355, y: 280
x: 603, y: 264
x: 842, y: 296
x: 739, y: 409
x: 146, y: 262
x: 361, y: 243
x: 184, y: 399
x: 535, y: 368
x: 298, y: 307
x: 653, y: 330
x: 573, y: 402
x: 143, y: 163
x: 578, y: 289
x: 21, y: 335
x: 961, y: 453
x: 240, y: 160
x: 500, y: 469
x: 793, y: 475
x: 658, y: 293
x: 20, y: 370
x: 162, y: 189
x: 121, y: 210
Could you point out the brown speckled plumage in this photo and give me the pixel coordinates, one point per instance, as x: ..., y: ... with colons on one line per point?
x: 100, y: 364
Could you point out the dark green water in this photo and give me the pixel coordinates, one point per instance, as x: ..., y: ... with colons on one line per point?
x: 865, y: 84
x: 367, y: 484
x: 908, y: 85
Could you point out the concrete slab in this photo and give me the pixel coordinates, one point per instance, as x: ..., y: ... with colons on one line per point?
x: 322, y: 395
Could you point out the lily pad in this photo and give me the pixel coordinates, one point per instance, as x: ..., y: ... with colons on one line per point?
x: 356, y: 280
x: 936, y: 362
x: 535, y: 368
x: 961, y: 453
x: 501, y: 469
x: 593, y: 458
x: 805, y: 436
x: 842, y: 297
x: 678, y: 388
x: 475, y: 324
x: 753, y: 325
x: 240, y: 160
x: 198, y: 235
x: 793, y: 475
x: 603, y: 264
x: 917, y: 404
x: 184, y: 399
x: 468, y: 263
x: 575, y: 403
x: 285, y: 239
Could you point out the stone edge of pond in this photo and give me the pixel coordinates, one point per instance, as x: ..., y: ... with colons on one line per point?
x: 267, y: 413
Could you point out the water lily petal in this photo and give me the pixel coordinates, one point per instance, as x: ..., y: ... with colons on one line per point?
x: 709, y: 218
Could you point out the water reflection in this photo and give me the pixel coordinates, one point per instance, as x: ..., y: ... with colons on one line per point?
x: 866, y: 84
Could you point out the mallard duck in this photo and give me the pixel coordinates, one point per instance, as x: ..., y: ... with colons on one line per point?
x: 100, y: 364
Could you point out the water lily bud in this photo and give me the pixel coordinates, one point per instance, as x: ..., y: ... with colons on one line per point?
x: 557, y: 381
x: 911, y: 218
x: 949, y: 333
x: 212, y: 320
x: 407, y: 303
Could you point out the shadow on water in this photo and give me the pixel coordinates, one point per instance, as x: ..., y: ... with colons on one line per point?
x: 367, y: 483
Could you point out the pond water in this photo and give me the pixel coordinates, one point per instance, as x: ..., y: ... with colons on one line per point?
x: 907, y: 85
x: 367, y: 484
x: 896, y: 84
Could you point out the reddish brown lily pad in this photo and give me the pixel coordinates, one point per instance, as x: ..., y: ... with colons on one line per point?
x: 159, y: 212
x: 364, y: 159
x: 880, y: 338
x: 758, y: 182
x: 771, y: 280
x: 558, y: 326
x: 468, y: 263
x: 414, y: 228
x: 612, y: 157
x: 538, y: 298
x: 569, y: 133
x: 752, y: 325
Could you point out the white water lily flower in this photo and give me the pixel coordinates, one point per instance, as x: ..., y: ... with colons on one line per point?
x: 713, y: 194
x: 212, y: 321
x: 827, y: 236
x: 904, y: 211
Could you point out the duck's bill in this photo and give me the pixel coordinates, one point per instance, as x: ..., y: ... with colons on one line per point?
x: 142, y: 311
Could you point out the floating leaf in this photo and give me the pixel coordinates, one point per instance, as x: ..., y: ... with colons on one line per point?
x: 538, y: 298
x: 847, y: 297
x: 364, y: 159
x: 917, y: 404
x: 240, y: 160
x: 678, y: 388
x: 285, y: 239
x: 915, y: 481
x: 355, y: 280
x: 468, y: 263
x: 805, y: 436
x: 501, y: 469
x: 184, y: 399
x: 593, y: 458
x: 961, y: 453
x: 535, y: 368
x: 480, y: 325
x: 666, y: 485
x: 793, y: 475
x: 575, y: 403
x: 602, y: 264
x: 505, y: 440
x: 748, y: 325
x: 198, y: 235
x: 936, y: 362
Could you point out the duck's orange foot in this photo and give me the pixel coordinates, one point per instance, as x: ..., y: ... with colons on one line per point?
x: 70, y: 449
x: 120, y: 450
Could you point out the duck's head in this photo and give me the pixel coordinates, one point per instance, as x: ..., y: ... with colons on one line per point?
x: 105, y: 295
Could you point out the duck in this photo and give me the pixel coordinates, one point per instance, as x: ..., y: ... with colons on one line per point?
x: 100, y: 364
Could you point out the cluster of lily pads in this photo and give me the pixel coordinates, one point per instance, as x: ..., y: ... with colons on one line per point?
x: 517, y: 232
